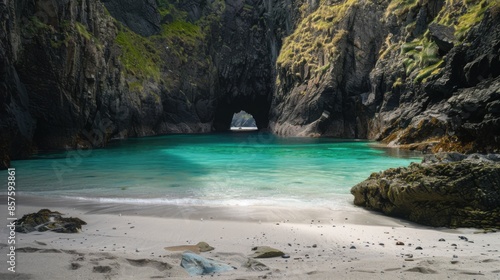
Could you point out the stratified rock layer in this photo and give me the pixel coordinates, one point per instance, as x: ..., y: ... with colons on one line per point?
x: 440, y: 193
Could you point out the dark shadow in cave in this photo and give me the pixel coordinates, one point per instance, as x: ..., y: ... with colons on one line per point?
x: 257, y: 106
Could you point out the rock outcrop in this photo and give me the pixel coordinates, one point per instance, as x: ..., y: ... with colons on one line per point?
x: 445, y: 190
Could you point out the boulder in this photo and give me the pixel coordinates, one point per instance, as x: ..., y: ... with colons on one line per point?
x: 443, y: 36
x: 46, y: 220
x: 197, y: 265
x: 266, y: 252
x: 459, y: 193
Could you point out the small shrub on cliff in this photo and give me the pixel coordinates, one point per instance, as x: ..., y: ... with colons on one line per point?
x: 421, y: 54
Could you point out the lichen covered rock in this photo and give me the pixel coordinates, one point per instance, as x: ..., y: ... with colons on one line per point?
x: 448, y: 193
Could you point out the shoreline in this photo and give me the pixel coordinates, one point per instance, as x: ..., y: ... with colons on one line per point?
x: 130, y: 241
x: 246, y: 213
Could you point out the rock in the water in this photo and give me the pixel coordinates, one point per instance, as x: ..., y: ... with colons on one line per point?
x: 197, y: 265
x: 452, y: 194
x: 266, y: 252
x: 45, y: 220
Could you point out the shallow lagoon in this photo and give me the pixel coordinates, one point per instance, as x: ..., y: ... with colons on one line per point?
x: 237, y: 168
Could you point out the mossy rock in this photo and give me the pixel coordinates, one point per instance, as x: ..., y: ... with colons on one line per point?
x: 453, y: 194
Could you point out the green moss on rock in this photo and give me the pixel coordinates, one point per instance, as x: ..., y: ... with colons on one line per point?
x: 456, y: 194
x: 139, y: 55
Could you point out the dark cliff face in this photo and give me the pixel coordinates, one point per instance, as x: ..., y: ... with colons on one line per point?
x: 79, y: 73
x: 142, y: 17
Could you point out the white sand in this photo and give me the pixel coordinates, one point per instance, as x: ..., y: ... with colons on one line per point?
x: 131, y: 240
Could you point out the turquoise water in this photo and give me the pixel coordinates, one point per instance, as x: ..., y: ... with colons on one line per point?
x: 249, y: 168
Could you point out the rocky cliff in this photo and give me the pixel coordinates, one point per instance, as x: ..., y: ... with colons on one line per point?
x: 75, y: 74
x: 422, y: 74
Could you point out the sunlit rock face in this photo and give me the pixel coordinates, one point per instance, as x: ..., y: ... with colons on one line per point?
x: 401, y: 72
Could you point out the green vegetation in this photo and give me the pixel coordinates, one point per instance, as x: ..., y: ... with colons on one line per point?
x: 82, y: 30
x: 421, y: 54
x: 429, y: 71
x: 139, y: 55
x: 144, y: 57
x: 61, y: 34
x: 135, y: 86
x: 397, y: 83
x: 34, y: 27
x: 315, y: 40
x: 247, y: 7
x: 464, y: 14
x: 400, y: 7
x: 182, y: 32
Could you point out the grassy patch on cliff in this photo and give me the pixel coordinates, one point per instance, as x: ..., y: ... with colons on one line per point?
x: 464, y: 14
x: 180, y: 41
x: 82, y: 30
x: 60, y: 34
x: 182, y: 32
x: 422, y: 54
x: 400, y: 7
x: 139, y: 55
x: 314, y: 43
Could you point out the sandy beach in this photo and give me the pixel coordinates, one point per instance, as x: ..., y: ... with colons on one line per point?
x: 128, y: 242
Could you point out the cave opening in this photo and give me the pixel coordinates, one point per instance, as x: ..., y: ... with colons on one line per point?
x: 254, y: 106
x: 243, y: 121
